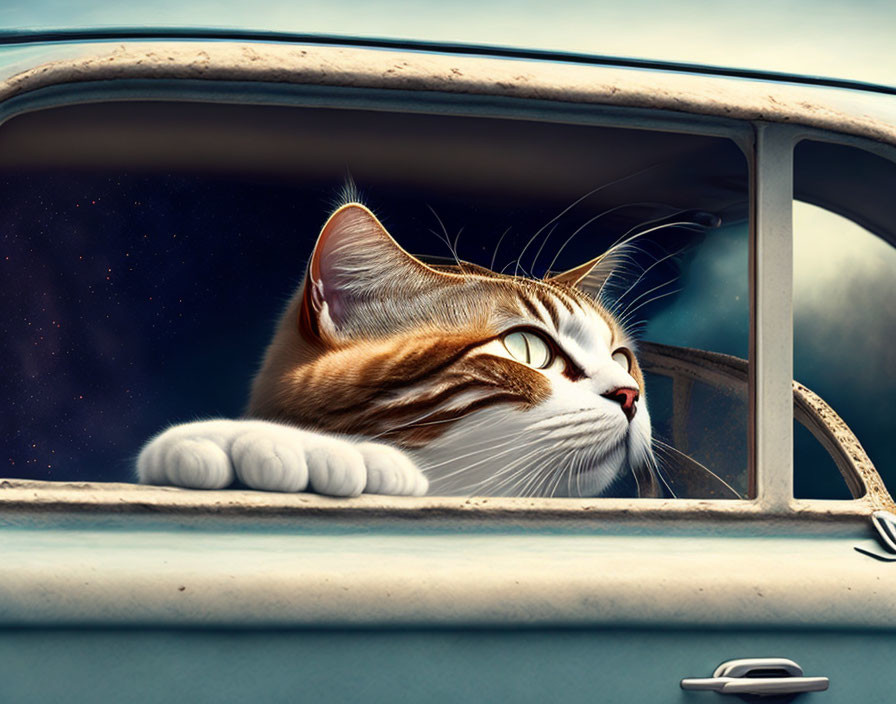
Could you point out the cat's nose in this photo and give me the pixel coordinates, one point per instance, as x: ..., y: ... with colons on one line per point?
x: 625, y: 397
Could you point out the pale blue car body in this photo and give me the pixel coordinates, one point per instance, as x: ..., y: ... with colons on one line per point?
x: 383, y: 601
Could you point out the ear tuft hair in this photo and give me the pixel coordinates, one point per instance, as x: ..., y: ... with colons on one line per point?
x: 349, y: 193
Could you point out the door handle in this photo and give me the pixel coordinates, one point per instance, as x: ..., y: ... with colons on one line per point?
x: 758, y: 676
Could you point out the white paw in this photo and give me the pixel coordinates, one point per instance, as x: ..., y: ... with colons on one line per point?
x: 193, y: 462
x: 274, y: 457
x: 390, y: 471
x: 264, y: 461
x: 336, y: 469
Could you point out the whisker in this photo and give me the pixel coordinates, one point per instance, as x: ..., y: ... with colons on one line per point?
x: 536, y: 479
x: 649, y: 301
x: 632, y: 233
x: 572, y: 462
x: 520, y: 257
x: 646, y: 271
x: 442, y: 239
x: 515, y: 471
x: 591, y: 193
x: 446, y: 239
x: 666, y: 446
x: 586, y: 224
x: 624, y: 243
x: 628, y: 306
x: 543, y: 243
x: 635, y: 477
x: 509, y: 468
x: 517, y: 267
x: 554, y: 482
x: 659, y: 473
x: 474, y: 464
x: 495, y: 253
x: 456, y: 239
x: 491, y: 446
x: 579, y: 471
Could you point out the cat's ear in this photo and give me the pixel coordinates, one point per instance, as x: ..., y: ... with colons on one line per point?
x: 356, y: 263
x: 590, y: 276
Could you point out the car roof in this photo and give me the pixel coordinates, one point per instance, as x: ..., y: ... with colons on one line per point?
x: 819, y: 38
x: 865, y: 199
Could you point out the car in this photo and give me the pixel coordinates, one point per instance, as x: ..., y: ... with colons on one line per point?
x: 163, y: 188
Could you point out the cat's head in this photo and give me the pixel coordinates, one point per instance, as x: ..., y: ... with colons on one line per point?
x: 496, y: 384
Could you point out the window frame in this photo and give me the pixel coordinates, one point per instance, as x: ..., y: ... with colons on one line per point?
x: 768, y: 146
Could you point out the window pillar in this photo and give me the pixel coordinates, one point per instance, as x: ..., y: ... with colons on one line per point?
x: 771, y: 317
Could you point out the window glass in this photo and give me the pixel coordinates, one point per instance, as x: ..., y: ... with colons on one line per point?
x: 149, y: 251
x: 844, y: 317
x: 709, y: 422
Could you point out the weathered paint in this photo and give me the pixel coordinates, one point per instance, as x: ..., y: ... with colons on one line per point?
x: 847, y: 112
x: 180, y: 573
x: 152, y: 594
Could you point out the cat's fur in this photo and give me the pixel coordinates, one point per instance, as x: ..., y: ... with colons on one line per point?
x: 386, y: 375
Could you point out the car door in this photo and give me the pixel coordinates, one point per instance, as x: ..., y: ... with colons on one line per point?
x: 110, y: 590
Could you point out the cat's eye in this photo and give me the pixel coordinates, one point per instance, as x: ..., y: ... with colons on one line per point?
x: 529, y: 347
x: 623, y: 358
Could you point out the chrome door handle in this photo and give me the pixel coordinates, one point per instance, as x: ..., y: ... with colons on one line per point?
x: 759, y: 676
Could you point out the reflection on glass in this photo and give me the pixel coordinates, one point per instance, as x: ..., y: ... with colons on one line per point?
x: 844, y: 322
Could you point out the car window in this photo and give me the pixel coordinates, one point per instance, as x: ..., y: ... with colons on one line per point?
x: 844, y: 318
x: 149, y: 250
x: 703, y: 419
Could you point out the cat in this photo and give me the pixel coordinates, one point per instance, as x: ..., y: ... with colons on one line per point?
x: 388, y: 375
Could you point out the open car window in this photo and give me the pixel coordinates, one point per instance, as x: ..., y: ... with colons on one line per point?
x: 153, y: 244
x: 844, y: 320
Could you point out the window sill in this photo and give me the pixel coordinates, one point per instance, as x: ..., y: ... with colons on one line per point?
x: 18, y: 495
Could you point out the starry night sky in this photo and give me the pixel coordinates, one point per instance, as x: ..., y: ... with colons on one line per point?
x: 133, y: 301
x: 128, y: 306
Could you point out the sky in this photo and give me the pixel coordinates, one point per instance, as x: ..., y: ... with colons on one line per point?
x: 830, y: 38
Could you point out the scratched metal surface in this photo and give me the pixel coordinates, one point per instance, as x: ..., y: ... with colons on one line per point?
x: 158, y: 610
x: 827, y: 38
x: 177, y: 572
